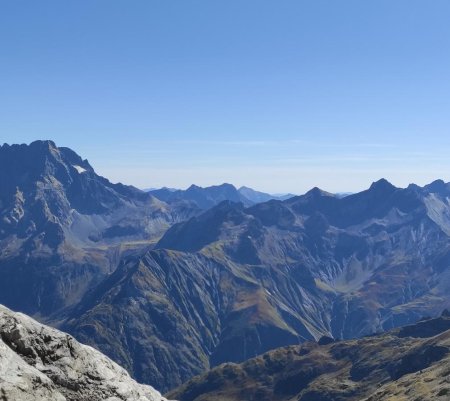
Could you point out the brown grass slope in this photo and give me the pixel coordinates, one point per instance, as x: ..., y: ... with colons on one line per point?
x: 408, y: 364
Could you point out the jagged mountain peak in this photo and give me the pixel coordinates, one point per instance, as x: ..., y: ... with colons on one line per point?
x: 41, y: 159
x: 192, y: 187
x: 40, y: 143
x: 382, y: 185
x: 224, y: 185
x: 55, y: 211
x: 316, y: 191
x: 202, y: 197
x: 438, y: 186
x: 46, y: 144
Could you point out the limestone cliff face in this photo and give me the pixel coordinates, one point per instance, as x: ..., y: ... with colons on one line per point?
x: 38, y: 363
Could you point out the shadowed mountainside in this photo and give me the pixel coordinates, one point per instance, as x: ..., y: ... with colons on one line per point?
x: 63, y: 227
x: 412, y: 363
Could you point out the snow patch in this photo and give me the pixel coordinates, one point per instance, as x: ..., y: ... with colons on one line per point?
x: 79, y: 169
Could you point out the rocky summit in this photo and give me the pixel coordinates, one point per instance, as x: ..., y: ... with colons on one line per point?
x: 38, y: 363
x: 409, y: 364
x: 63, y: 227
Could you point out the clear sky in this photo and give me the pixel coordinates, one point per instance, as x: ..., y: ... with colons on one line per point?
x: 280, y: 95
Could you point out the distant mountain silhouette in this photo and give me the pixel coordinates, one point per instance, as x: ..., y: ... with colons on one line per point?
x: 208, y: 197
x: 258, y: 197
x: 204, y: 198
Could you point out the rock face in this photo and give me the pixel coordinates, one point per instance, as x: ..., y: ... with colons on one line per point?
x: 63, y: 227
x: 235, y: 282
x: 43, y: 364
x: 385, y: 367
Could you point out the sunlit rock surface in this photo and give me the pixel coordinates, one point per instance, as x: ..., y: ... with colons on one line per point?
x: 40, y: 363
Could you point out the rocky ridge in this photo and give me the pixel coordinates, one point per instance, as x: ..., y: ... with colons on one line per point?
x: 63, y: 228
x: 38, y: 363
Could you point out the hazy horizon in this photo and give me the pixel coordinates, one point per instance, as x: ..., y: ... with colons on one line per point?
x: 304, y: 189
x: 280, y: 97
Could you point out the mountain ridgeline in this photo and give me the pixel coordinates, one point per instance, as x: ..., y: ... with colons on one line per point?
x: 411, y: 363
x: 170, y: 287
x: 63, y: 227
x: 205, y: 198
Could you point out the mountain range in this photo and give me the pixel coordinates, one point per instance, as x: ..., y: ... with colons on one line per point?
x: 207, y: 197
x: 235, y: 282
x: 171, y: 287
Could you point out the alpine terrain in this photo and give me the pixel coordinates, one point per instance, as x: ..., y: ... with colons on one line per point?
x: 170, y: 288
x: 412, y: 363
x: 38, y: 363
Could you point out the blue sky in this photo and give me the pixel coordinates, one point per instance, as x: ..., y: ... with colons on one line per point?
x: 278, y: 95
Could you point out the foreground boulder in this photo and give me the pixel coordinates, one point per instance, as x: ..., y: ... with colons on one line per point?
x: 41, y: 363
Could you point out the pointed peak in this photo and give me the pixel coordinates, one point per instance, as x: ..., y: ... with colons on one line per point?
x: 382, y: 185
x: 193, y: 187
x: 318, y: 192
x: 436, y: 186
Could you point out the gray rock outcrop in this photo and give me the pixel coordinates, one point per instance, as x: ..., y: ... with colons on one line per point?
x: 40, y: 363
